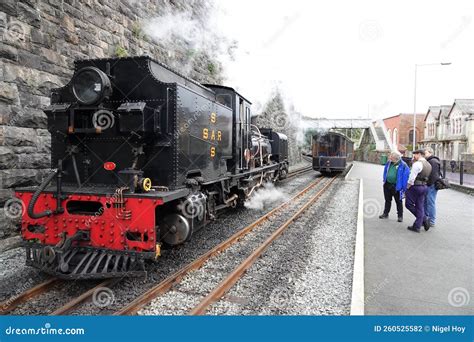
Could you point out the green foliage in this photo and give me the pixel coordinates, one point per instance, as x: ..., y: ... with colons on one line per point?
x: 356, y: 134
x: 273, y: 110
x: 308, y: 137
x: 190, y: 53
x: 211, y: 67
x: 120, y: 51
x: 137, y: 31
x: 352, y: 133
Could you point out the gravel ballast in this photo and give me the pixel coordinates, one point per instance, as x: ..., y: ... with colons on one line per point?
x: 15, y: 277
x: 308, y: 270
x: 267, y: 288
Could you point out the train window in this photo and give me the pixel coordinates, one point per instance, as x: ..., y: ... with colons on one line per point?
x: 241, y: 110
x: 330, y: 145
x: 224, y: 99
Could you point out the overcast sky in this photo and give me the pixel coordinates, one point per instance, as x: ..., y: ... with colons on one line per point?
x: 351, y: 58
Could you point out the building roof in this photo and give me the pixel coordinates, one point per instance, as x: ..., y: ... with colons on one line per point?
x: 466, y: 106
x: 402, y: 114
x: 435, y: 111
x: 323, y: 123
x: 445, y: 109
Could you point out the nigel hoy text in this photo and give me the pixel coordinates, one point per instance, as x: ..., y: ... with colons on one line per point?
x: 447, y: 329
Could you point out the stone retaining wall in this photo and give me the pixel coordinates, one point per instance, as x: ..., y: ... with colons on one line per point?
x: 39, y: 42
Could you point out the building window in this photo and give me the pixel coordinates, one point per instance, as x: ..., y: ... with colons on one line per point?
x: 456, y: 124
x: 389, y: 133
x: 410, y: 137
x: 395, y: 138
x: 431, y: 129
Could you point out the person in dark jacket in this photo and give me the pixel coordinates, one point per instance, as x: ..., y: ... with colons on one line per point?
x: 416, y: 189
x: 430, y: 201
x: 452, y: 163
x: 395, y: 178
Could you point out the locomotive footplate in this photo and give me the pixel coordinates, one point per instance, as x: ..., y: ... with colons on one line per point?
x: 86, y: 262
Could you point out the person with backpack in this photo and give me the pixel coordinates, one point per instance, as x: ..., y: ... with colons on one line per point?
x: 430, y: 201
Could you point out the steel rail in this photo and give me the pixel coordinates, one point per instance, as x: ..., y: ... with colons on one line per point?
x: 298, y: 172
x: 165, y: 285
x: 238, y: 272
x: 13, y: 302
x: 74, y: 303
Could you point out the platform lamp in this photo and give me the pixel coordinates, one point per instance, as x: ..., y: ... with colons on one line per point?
x: 414, y: 99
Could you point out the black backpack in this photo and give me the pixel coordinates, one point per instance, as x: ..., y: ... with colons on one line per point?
x: 442, y: 183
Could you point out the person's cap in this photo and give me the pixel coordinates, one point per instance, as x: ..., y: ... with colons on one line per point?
x: 419, y: 151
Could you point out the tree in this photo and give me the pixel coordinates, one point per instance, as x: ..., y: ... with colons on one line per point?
x: 275, y: 116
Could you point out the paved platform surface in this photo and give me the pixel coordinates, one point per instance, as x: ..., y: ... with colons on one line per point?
x: 468, y: 179
x: 406, y: 273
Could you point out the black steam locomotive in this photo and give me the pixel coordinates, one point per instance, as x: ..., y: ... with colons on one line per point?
x: 142, y: 156
x: 332, y: 152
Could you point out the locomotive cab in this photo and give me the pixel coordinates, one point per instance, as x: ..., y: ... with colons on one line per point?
x: 242, y: 139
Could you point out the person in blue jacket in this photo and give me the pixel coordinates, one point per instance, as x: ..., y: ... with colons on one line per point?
x: 395, y: 179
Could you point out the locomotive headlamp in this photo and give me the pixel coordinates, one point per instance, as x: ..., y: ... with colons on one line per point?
x: 90, y: 86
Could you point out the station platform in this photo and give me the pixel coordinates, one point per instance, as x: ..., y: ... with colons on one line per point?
x: 468, y: 179
x: 406, y: 273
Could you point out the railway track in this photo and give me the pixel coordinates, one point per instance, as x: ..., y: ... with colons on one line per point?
x: 51, y: 285
x: 12, y: 303
x: 299, y: 172
x: 16, y: 301
x: 230, y: 280
x: 225, y: 285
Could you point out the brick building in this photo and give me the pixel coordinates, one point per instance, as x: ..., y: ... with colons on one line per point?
x: 400, y: 130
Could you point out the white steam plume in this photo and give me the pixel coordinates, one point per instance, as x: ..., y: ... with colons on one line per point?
x: 265, y: 197
x: 188, y: 37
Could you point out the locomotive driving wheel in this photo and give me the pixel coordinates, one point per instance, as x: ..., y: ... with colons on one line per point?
x: 175, y: 230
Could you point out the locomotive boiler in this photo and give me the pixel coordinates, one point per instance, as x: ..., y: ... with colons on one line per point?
x: 142, y: 156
